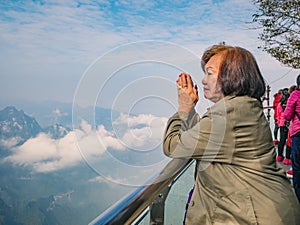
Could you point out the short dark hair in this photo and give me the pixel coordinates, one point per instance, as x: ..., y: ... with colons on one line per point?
x: 239, y: 73
x: 298, y: 80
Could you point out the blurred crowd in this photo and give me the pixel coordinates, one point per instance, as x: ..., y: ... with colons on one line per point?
x: 286, y: 107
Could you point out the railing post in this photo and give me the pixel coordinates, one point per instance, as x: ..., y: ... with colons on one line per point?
x: 268, y: 102
x: 157, y: 208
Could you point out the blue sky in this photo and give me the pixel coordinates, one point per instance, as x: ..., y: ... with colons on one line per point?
x: 46, y: 46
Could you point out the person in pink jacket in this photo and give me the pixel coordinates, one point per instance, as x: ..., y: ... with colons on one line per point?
x: 283, y: 126
x: 277, y: 97
x: 287, y: 160
x: 292, y: 113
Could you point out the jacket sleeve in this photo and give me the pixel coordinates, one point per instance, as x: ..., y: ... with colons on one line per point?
x: 289, y: 111
x: 177, y: 126
x: 202, y: 139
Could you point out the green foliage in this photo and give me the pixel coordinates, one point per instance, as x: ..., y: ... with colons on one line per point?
x: 280, y: 23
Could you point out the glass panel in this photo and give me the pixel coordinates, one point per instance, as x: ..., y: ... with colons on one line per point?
x: 177, y: 198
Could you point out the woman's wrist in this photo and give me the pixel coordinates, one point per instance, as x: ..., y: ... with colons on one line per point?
x: 185, y: 109
x: 183, y: 115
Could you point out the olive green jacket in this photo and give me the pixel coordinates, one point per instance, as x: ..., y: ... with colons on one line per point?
x: 237, y: 179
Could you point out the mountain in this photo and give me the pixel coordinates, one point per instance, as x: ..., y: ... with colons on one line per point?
x: 46, y: 113
x: 57, y: 131
x: 65, y: 197
x: 17, y: 126
x: 49, y: 113
x: 72, y: 195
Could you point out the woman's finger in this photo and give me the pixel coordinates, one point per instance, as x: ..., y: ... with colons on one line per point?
x: 189, y: 82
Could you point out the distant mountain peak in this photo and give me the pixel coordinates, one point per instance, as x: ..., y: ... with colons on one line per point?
x: 57, y: 131
x: 11, y: 110
x: 16, y: 124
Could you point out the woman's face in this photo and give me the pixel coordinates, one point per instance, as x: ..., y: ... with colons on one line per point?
x: 211, y: 88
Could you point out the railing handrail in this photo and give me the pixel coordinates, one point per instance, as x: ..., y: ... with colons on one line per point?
x: 126, y: 210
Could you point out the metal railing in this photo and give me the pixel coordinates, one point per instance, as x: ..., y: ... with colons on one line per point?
x: 150, y: 197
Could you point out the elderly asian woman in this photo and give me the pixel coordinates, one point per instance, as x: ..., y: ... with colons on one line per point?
x: 237, y: 179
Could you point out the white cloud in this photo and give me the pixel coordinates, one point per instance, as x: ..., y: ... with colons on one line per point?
x: 134, y: 120
x: 142, y: 132
x: 107, y: 179
x: 45, y: 154
x: 8, y: 143
x: 108, y: 139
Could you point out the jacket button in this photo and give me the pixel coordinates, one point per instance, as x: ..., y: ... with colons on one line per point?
x: 192, y: 203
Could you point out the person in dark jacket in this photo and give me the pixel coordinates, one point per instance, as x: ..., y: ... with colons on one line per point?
x: 237, y: 179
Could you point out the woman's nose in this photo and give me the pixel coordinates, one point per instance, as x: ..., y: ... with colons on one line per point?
x: 204, y: 80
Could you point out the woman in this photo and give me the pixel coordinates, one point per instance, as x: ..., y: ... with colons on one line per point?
x: 277, y: 97
x: 288, y: 148
x: 292, y: 112
x: 237, y: 180
x: 283, y: 127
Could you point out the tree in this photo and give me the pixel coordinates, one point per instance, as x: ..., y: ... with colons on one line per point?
x: 280, y: 21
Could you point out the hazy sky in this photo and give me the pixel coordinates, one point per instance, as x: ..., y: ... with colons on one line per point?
x: 46, y: 47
